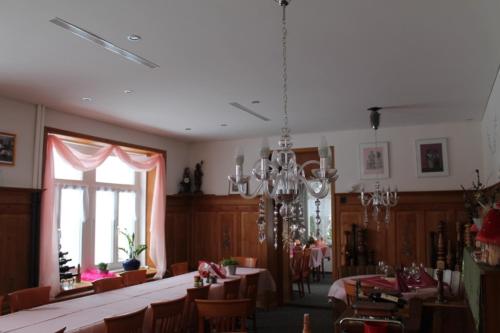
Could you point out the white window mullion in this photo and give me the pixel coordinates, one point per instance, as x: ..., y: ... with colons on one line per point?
x: 115, y: 228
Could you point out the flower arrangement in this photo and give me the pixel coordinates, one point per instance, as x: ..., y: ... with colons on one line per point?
x: 102, y: 267
x: 229, y: 262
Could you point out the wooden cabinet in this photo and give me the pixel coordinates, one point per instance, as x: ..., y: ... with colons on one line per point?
x: 482, y: 291
x: 19, y: 229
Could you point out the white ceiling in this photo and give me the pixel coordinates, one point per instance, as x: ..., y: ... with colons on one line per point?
x: 439, y: 58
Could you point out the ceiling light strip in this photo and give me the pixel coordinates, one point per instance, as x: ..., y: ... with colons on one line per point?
x: 91, y: 37
x: 247, y: 110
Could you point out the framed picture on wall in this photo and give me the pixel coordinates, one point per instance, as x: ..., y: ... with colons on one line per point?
x: 432, y: 157
x: 233, y: 189
x: 374, y: 160
x: 7, y: 148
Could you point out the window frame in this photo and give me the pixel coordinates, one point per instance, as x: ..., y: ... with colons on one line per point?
x: 147, y: 185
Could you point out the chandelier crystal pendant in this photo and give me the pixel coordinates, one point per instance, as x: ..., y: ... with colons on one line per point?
x: 280, y: 177
x: 379, y: 199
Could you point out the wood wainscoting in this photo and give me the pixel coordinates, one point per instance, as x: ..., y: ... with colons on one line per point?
x: 209, y: 227
x: 407, y: 237
x: 19, y: 230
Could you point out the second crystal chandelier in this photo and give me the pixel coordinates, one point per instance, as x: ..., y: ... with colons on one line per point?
x: 279, y: 176
x: 380, y: 198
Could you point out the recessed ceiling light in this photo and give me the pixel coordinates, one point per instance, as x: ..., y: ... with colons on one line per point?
x: 128, y: 91
x: 134, y: 38
x: 255, y: 102
x: 87, y: 99
x: 223, y: 125
x: 187, y: 128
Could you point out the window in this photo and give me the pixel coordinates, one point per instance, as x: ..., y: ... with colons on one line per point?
x: 94, y: 206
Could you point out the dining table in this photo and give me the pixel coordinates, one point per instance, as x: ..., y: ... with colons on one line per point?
x: 86, y: 314
x: 379, y: 281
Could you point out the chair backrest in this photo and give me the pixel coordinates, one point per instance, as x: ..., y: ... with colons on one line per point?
x: 28, y: 298
x: 350, y: 290
x: 232, y: 289
x: 250, y: 262
x: 296, y: 263
x: 107, y: 284
x: 61, y: 330
x: 179, y: 268
x: 252, y: 286
x: 305, y: 261
x: 167, y: 316
x: 127, y: 323
x: 131, y: 278
x: 190, y: 313
x: 452, y: 279
x: 223, y: 315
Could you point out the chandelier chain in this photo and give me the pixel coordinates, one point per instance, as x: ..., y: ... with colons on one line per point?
x: 285, y: 74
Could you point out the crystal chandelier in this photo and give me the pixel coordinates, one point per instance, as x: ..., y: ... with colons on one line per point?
x: 379, y: 199
x: 279, y: 176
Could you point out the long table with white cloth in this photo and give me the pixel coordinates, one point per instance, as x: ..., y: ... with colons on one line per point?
x: 86, y: 314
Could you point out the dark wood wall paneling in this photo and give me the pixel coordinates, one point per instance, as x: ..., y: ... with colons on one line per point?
x: 212, y: 228
x: 407, y: 237
x: 19, y: 235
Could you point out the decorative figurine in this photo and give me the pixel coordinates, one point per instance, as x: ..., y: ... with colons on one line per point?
x: 198, y: 175
x: 185, y: 184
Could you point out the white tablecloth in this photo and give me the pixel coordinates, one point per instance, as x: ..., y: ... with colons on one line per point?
x: 318, y: 254
x: 337, y: 289
x: 86, y: 314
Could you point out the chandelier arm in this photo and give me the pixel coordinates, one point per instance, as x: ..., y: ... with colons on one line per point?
x: 253, y: 195
x: 323, y: 192
x: 310, y: 162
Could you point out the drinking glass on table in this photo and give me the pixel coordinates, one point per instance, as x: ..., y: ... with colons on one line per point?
x: 380, y: 267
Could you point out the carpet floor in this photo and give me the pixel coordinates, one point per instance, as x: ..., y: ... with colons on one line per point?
x: 289, y: 318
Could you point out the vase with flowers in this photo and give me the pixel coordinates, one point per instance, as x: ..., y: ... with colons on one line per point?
x: 132, y: 251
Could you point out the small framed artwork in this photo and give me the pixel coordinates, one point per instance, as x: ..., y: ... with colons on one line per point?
x: 7, y: 148
x: 374, y: 160
x: 432, y: 157
x: 233, y: 189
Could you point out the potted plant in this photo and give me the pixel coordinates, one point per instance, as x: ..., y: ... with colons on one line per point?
x: 230, y: 265
x: 102, y: 267
x: 133, y: 251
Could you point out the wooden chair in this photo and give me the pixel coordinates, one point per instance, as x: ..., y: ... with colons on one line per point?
x: 61, y: 330
x: 179, y: 268
x: 167, y: 316
x: 232, y: 289
x: 28, y: 298
x: 223, y: 315
x: 131, y: 278
x: 350, y: 290
x: 190, y: 313
x: 249, y: 262
x: 107, y: 284
x: 306, y: 269
x: 296, y: 272
x: 127, y: 323
x: 251, y: 291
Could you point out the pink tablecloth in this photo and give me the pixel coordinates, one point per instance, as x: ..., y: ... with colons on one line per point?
x: 86, y: 314
x: 337, y: 289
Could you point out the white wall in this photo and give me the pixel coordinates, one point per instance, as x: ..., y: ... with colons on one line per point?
x: 464, y: 153
x: 19, y: 118
x: 490, y: 129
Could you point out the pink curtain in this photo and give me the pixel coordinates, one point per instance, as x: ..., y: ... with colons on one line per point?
x: 49, y: 264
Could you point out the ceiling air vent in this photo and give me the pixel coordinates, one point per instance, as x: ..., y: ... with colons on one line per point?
x: 91, y: 37
x: 247, y: 110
